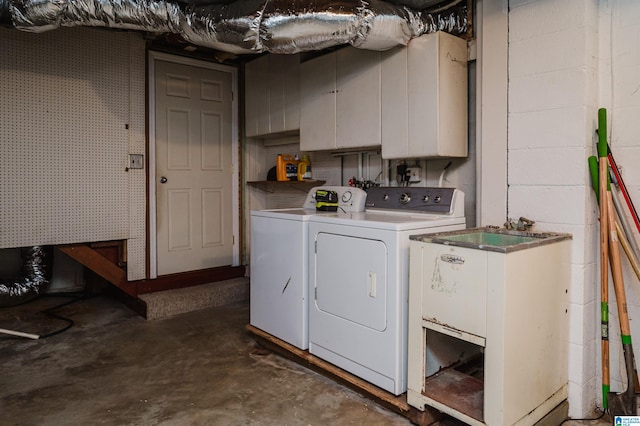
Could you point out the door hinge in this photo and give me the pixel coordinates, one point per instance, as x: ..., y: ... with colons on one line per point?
x: 316, y: 293
x: 233, y: 240
x: 315, y: 247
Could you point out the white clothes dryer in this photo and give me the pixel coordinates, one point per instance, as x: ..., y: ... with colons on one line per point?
x: 278, y: 264
x: 359, y: 279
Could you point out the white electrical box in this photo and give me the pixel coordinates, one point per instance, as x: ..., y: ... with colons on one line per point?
x: 415, y: 174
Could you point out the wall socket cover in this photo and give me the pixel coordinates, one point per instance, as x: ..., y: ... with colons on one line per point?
x: 415, y: 174
x: 136, y: 161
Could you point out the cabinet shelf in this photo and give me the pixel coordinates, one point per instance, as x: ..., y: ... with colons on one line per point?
x: 273, y: 186
x: 459, y: 391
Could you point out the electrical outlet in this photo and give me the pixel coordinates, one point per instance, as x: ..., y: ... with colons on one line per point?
x: 415, y: 174
x: 136, y: 161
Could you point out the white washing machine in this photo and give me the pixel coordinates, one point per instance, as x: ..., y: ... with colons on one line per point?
x: 279, y: 273
x: 359, y: 279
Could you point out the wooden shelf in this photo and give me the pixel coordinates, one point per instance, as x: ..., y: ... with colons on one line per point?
x: 273, y: 186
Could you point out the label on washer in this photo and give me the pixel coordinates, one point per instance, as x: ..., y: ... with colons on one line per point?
x: 452, y: 258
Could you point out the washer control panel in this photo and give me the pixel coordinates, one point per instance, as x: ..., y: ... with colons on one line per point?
x: 422, y: 200
x: 350, y: 199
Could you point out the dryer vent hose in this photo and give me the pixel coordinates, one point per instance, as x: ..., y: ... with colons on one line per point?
x: 34, y: 279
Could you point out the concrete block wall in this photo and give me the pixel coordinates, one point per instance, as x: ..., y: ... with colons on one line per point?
x: 567, y: 58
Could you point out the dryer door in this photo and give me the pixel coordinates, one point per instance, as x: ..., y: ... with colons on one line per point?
x: 351, y: 279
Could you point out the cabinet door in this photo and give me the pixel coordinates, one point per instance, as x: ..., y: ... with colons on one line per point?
x: 437, y: 81
x: 291, y: 88
x: 358, y: 98
x: 284, y: 92
x: 455, y: 287
x: 257, y: 97
x: 275, y: 82
x: 318, y: 103
x: 395, y: 107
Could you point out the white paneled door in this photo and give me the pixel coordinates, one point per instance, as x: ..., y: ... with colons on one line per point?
x: 193, y: 167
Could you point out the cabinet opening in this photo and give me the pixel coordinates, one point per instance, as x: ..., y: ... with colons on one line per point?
x: 454, y: 373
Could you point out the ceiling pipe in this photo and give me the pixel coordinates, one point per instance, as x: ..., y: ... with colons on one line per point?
x: 250, y: 26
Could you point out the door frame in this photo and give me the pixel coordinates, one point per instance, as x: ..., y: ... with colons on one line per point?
x: 235, y: 143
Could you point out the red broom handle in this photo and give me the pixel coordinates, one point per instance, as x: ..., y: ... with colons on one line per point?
x: 623, y: 188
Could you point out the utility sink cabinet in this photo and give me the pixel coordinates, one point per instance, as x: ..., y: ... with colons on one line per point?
x: 488, y: 324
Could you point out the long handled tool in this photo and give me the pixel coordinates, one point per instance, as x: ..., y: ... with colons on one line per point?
x: 624, y: 222
x: 604, y: 253
x: 635, y: 264
x: 623, y: 403
x: 622, y: 239
x: 623, y: 188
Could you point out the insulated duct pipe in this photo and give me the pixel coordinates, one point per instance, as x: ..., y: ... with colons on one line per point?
x: 36, y: 273
x: 251, y: 26
x: 5, y: 14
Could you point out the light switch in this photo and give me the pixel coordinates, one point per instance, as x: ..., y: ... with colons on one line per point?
x: 136, y: 161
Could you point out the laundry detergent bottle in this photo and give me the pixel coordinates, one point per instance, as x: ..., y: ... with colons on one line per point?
x: 304, y: 168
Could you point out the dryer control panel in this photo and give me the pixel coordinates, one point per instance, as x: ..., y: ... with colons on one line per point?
x: 420, y: 200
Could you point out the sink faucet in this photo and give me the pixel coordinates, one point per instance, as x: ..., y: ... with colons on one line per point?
x: 523, y: 224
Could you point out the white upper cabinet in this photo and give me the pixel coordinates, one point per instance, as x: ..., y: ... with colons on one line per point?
x: 318, y: 103
x: 358, y: 98
x: 340, y: 100
x: 424, y: 98
x: 272, y: 99
x: 257, y: 97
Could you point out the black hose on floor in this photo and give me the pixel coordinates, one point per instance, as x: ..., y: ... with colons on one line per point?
x: 76, y: 297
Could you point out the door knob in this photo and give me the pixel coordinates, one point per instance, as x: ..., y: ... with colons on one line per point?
x: 163, y: 179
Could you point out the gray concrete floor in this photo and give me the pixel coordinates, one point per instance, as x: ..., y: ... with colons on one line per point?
x: 200, y: 368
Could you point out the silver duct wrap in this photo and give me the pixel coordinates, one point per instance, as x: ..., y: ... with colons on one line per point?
x: 233, y: 27
x: 5, y: 13
x: 290, y: 26
x: 43, y: 15
x: 34, y: 279
x: 252, y: 26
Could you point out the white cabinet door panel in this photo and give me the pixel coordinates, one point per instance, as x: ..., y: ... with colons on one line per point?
x: 318, y: 103
x: 395, y: 108
x: 272, y: 100
x: 257, y: 97
x: 358, y: 98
